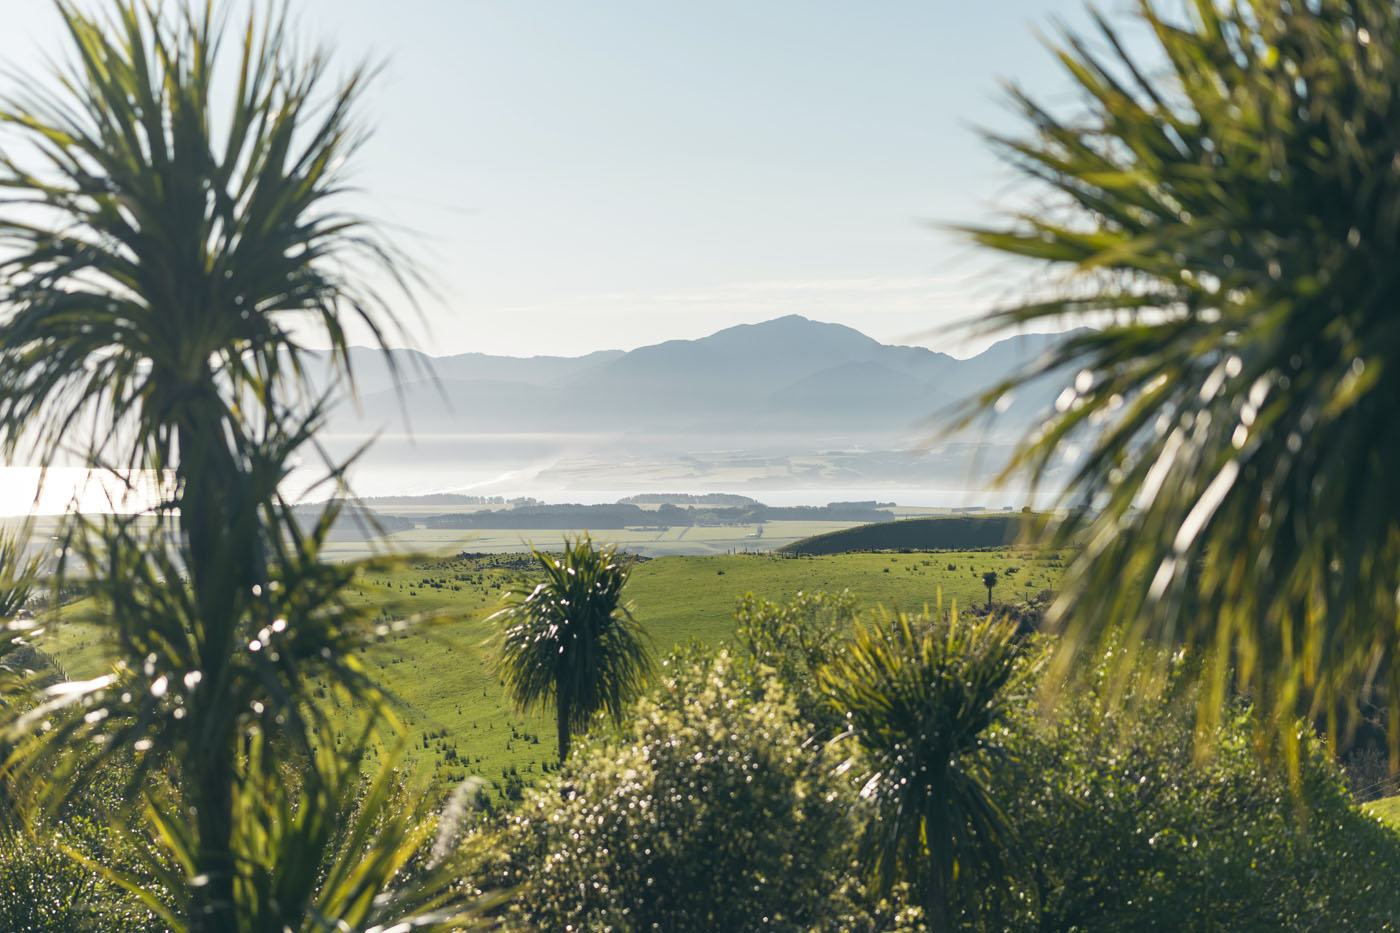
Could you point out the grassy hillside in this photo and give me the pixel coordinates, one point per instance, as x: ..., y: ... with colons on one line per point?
x: 457, y: 717
x: 933, y: 533
x: 1387, y: 810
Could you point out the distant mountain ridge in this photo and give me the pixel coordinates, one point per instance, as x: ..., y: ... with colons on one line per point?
x: 787, y: 375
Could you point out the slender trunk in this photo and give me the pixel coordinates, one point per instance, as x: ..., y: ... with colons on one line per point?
x: 562, y: 714
x: 212, y: 904
x: 938, y: 914
x: 207, y: 475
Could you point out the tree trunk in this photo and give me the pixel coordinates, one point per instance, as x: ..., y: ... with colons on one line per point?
x: 212, y: 904
x: 208, y: 494
x: 562, y: 719
x: 938, y: 914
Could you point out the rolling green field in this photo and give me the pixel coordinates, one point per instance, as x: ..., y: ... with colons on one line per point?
x: 923, y: 533
x: 457, y: 718
x: 1387, y: 810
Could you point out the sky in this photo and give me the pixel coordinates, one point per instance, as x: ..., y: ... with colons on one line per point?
x: 580, y: 176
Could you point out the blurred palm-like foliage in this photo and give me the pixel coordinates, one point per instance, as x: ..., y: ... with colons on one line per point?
x: 163, y: 243
x: 163, y: 236
x: 315, y: 839
x: 329, y: 846
x: 1226, y: 202
x: 19, y: 574
x: 571, y: 641
x: 920, y: 697
x: 167, y: 242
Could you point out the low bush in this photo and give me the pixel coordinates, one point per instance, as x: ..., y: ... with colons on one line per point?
x: 711, y: 811
x: 43, y: 886
x: 792, y: 640
x: 1126, y: 826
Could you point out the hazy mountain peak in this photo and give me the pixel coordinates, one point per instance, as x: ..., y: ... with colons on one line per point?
x: 747, y: 379
x: 792, y: 327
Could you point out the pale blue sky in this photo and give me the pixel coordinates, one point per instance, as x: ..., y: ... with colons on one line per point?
x: 618, y: 172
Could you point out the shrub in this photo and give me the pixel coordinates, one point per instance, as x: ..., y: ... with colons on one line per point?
x: 711, y: 811
x: 1127, y: 829
x: 792, y: 640
x: 41, y: 888
x: 44, y: 887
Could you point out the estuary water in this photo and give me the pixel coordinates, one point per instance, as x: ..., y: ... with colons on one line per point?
x: 66, y: 489
x: 581, y: 468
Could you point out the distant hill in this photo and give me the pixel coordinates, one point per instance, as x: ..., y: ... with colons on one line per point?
x: 789, y: 375
x: 938, y: 532
x: 354, y: 523
x: 627, y: 515
x: 787, y: 404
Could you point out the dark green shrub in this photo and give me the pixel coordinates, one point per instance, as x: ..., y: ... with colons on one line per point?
x: 41, y: 888
x: 711, y: 811
x: 1124, y: 827
x: 44, y: 887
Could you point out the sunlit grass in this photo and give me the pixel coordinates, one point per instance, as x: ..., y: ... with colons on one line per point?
x: 442, y: 677
x: 1387, y: 810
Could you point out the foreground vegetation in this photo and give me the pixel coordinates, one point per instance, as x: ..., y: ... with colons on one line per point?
x: 233, y: 762
x: 730, y: 771
x: 1096, y: 818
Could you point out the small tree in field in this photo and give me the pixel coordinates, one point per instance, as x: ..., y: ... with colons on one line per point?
x: 571, y: 642
x: 989, y: 580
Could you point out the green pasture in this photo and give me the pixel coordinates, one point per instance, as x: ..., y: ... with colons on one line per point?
x: 1387, y: 810
x: 456, y: 717
x: 693, y: 597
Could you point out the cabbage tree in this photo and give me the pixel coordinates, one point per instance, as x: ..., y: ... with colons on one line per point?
x: 570, y: 642
x: 920, y: 698
x: 171, y: 230
x: 1225, y: 202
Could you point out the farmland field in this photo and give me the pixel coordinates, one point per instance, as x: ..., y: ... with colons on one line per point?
x: 648, y: 542
x: 457, y: 718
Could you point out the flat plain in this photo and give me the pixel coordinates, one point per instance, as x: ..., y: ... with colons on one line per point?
x: 648, y: 542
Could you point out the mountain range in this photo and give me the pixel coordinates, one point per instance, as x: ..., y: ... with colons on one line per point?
x: 790, y: 375
x: 790, y: 403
